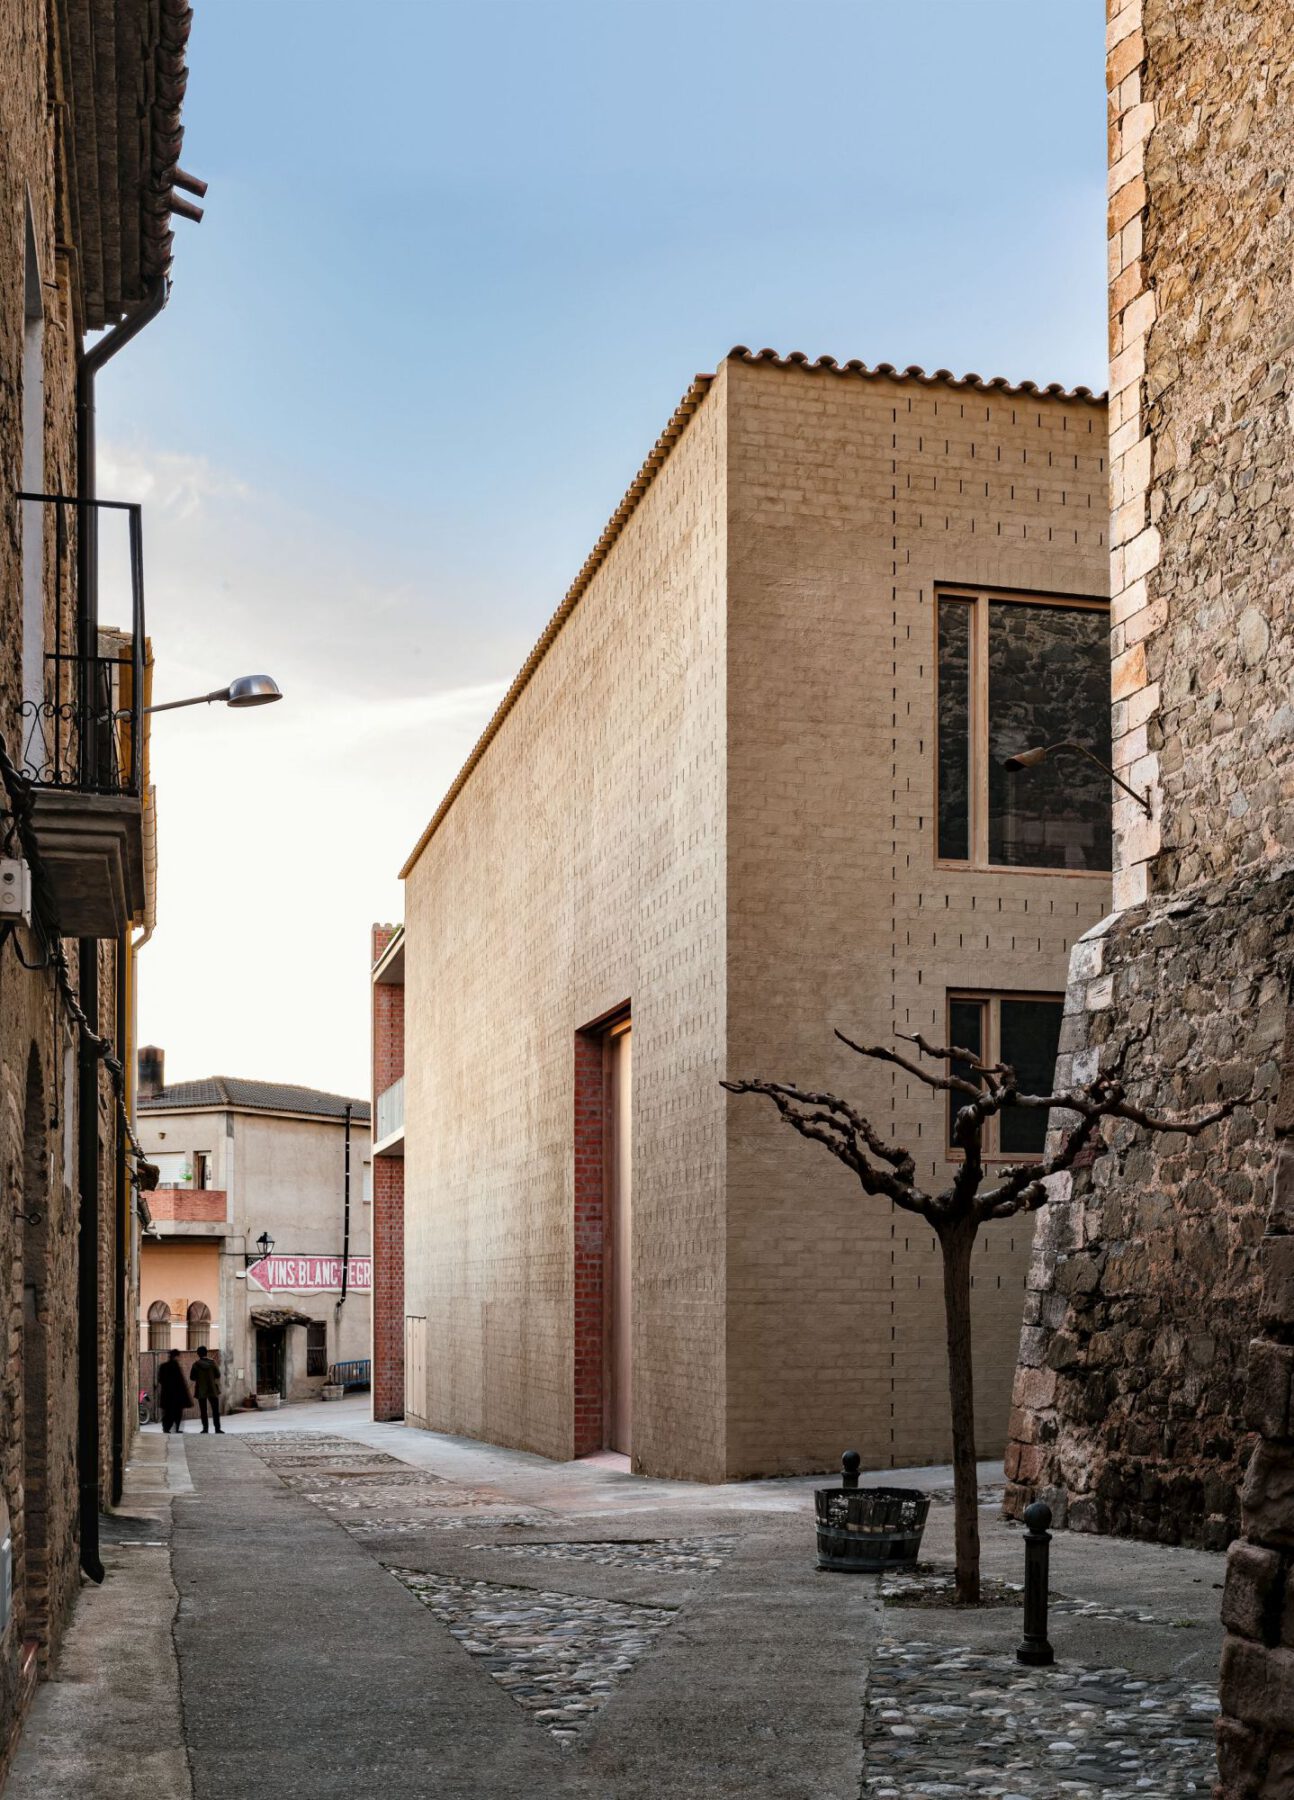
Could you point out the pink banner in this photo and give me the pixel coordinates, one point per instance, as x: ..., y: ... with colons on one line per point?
x: 309, y: 1274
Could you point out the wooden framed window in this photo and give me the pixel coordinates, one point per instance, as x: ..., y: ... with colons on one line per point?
x: 317, y: 1347
x: 1015, y: 671
x: 159, y: 1326
x: 1020, y: 1029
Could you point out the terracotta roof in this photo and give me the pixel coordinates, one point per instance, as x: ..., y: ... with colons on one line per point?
x: 996, y: 384
x: 122, y: 75
x: 647, y: 474
x: 237, y: 1095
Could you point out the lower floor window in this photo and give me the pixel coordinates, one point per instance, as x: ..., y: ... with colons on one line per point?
x: 1022, y: 1030
x: 317, y: 1347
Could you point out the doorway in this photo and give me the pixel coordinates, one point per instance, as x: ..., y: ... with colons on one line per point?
x: 270, y: 1359
x: 618, y: 1237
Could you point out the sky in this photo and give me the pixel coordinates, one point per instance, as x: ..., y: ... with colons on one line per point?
x: 458, y: 264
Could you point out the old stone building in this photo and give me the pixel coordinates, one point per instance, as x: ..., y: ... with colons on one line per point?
x: 1144, y: 1294
x: 89, y: 139
x: 748, y: 788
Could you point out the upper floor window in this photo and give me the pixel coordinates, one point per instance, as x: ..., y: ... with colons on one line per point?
x: 1015, y: 671
x: 1022, y: 1030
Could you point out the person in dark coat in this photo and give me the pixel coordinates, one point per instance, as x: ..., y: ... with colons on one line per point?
x: 173, y: 1391
x: 205, y: 1377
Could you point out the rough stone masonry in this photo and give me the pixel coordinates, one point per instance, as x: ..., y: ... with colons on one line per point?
x: 1129, y: 1400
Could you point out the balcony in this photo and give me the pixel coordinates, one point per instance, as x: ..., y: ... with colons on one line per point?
x: 82, y: 740
x: 388, y: 1134
x: 181, y: 1212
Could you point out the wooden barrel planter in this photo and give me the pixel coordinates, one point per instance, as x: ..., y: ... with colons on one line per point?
x: 861, y: 1530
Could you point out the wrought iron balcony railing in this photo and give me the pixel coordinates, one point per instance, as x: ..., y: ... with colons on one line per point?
x: 83, y: 732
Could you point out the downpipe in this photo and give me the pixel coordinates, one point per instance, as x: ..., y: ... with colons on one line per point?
x: 89, y: 1172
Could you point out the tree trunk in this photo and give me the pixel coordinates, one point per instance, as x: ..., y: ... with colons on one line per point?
x: 956, y: 1242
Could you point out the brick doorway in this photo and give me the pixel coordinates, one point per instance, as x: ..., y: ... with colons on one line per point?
x: 33, y: 1580
x: 603, y: 1236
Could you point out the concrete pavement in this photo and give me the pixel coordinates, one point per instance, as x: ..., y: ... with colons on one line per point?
x: 110, y: 1726
x: 317, y: 1605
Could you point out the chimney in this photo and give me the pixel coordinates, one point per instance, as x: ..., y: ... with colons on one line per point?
x: 152, y: 1079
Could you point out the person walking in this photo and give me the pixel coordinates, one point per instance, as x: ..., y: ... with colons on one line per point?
x: 205, y: 1377
x: 173, y: 1390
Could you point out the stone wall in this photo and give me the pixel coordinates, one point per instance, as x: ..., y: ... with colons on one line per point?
x: 1141, y: 1295
x: 1129, y: 1400
x: 1256, y: 1732
x: 38, y: 1076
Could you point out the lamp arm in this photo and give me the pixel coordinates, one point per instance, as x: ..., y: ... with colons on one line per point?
x: 197, y: 700
x: 1142, y: 800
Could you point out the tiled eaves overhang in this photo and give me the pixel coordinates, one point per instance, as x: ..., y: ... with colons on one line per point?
x: 997, y: 384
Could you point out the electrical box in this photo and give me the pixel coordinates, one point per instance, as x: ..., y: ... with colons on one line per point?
x: 15, y: 891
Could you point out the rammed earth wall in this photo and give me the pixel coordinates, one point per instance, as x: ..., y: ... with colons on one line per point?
x: 1129, y: 1402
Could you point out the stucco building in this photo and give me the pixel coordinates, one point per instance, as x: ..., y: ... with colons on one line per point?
x: 748, y: 788
x: 90, y: 136
x: 240, y: 1161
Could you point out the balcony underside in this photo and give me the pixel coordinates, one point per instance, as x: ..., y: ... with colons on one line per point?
x: 92, y: 850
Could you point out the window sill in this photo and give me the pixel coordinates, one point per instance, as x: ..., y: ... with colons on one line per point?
x: 969, y: 868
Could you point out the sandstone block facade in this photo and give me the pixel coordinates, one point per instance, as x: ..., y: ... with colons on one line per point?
x: 712, y: 800
x: 1145, y: 1290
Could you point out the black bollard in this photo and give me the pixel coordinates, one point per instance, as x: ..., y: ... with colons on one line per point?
x: 1035, y: 1649
x: 850, y: 1463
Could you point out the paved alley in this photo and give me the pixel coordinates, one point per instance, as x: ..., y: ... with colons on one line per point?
x: 315, y: 1605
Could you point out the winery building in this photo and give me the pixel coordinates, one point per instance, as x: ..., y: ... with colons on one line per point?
x: 749, y: 788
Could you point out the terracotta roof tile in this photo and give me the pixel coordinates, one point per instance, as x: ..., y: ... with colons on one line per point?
x: 914, y: 372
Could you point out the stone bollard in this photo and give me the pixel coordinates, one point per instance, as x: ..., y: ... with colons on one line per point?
x: 850, y: 1463
x: 1035, y: 1649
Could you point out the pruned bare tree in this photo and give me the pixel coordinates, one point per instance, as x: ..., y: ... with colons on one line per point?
x: 956, y: 1213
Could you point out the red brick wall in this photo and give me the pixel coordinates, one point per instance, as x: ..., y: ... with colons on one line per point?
x: 191, y: 1205
x: 388, y: 1201
x: 590, y: 1339
x: 388, y: 1287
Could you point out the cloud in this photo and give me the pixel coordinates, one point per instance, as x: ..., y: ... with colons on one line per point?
x: 282, y: 830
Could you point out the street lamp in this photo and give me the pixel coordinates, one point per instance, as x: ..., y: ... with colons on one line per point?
x: 247, y: 690
x: 1029, y: 759
x: 265, y: 1243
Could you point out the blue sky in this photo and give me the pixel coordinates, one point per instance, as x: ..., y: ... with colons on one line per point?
x: 458, y: 263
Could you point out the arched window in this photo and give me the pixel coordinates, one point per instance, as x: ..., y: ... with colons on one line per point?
x: 159, y: 1326
x: 198, y: 1319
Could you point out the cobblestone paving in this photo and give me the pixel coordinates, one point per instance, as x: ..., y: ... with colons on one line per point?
x: 375, y: 1495
x: 924, y: 1586
x: 944, y: 1722
x: 664, y: 1556
x: 557, y: 1655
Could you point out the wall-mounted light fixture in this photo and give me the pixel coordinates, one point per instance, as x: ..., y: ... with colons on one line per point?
x: 264, y: 1248
x: 1029, y: 759
x: 247, y: 690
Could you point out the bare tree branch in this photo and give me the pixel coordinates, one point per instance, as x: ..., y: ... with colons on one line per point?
x: 1024, y: 1190
x: 847, y: 1134
x: 954, y: 1053
x: 950, y: 1084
